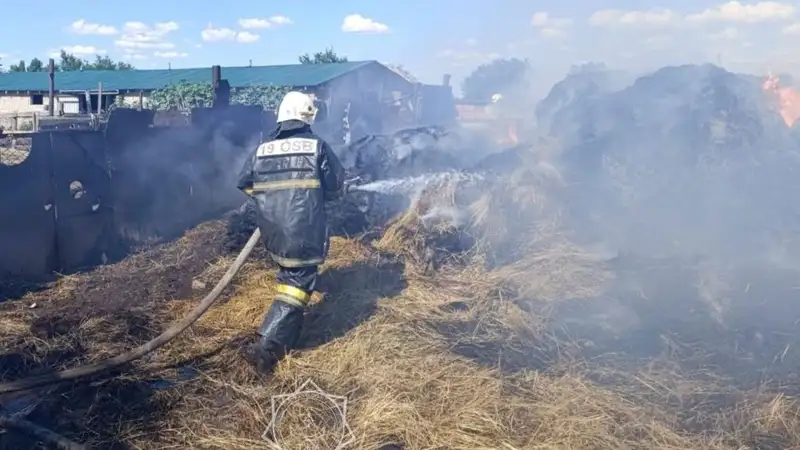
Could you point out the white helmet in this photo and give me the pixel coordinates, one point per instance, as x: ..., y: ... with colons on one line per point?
x: 297, y: 106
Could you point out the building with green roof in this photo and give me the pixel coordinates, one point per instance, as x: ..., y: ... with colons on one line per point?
x: 27, y: 92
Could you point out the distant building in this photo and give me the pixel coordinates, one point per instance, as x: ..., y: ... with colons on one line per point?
x: 77, y: 92
x: 474, y: 112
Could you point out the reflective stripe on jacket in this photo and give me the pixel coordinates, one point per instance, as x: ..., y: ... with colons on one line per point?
x: 289, y: 177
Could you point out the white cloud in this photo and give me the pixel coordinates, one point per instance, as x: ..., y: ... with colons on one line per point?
x: 543, y: 20
x: 280, y: 20
x: 733, y: 11
x: 246, y: 37
x: 254, y: 23
x: 659, y: 42
x: 745, y: 13
x: 138, y: 35
x: 792, y: 30
x: 170, y: 54
x: 83, y: 50
x: 552, y: 33
x: 471, y: 42
x: 726, y: 34
x: 356, y: 23
x: 134, y: 57
x: 87, y: 28
x: 618, y: 17
x: 211, y: 34
x: 550, y: 27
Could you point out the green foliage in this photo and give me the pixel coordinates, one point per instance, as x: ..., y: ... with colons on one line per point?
x: 36, y: 65
x: 326, y: 57
x: 496, y: 77
x: 18, y: 67
x: 268, y: 96
x: 69, y: 63
x: 106, y: 63
x: 184, y: 96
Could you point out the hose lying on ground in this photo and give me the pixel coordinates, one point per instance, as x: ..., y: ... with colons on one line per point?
x: 136, y: 353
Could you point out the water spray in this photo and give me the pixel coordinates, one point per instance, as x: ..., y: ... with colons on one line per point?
x: 412, y: 185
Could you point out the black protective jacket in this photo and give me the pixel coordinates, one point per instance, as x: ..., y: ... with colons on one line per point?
x: 289, y: 177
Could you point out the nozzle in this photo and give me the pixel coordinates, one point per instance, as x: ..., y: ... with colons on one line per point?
x: 351, y: 184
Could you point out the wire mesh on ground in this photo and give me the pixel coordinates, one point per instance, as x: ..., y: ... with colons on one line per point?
x: 14, y: 151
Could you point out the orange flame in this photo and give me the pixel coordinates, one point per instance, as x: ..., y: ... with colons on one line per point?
x: 512, y: 134
x: 510, y: 138
x: 787, y: 98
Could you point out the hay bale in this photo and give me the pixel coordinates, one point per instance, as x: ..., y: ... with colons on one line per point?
x: 463, y: 357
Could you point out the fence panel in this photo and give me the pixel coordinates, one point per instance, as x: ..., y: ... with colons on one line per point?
x: 27, y: 220
x: 82, y: 192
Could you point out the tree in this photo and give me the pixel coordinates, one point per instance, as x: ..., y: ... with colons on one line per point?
x: 17, y: 67
x: 106, y: 63
x: 184, y: 96
x: 496, y: 77
x: 327, y: 57
x: 68, y: 62
x: 35, y: 65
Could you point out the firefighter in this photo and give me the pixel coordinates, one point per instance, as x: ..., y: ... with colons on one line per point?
x: 287, y: 179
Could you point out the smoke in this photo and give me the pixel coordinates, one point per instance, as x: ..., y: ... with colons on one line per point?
x: 453, y: 217
x: 173, y: 178
x: 684, y: 162
x: 685, y: 177
x: 661, y: 200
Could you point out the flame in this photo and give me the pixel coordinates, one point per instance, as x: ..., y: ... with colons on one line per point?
x: 512, y: 134
x: 510, y: 138
x: 788, y: 99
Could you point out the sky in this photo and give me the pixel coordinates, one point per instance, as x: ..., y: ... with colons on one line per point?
x: 427, y: 37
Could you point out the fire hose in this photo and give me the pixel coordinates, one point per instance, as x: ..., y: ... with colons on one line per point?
x: 136, y: 353
x: 131, y: 355
x: 88, y: 370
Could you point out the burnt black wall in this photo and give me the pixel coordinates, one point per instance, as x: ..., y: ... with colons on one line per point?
x: 83, y: 197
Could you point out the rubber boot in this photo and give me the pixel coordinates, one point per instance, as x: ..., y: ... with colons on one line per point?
x: 277, y: 335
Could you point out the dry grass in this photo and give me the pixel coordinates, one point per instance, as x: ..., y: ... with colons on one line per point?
x: 468, y: 356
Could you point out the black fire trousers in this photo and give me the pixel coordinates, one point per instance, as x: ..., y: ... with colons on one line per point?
x: 304, y: 278
x: 283, y: 324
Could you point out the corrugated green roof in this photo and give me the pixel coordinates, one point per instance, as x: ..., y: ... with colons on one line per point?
x: 287, y: 75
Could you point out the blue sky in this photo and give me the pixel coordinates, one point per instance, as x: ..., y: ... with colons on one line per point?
x: 428, y: 37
